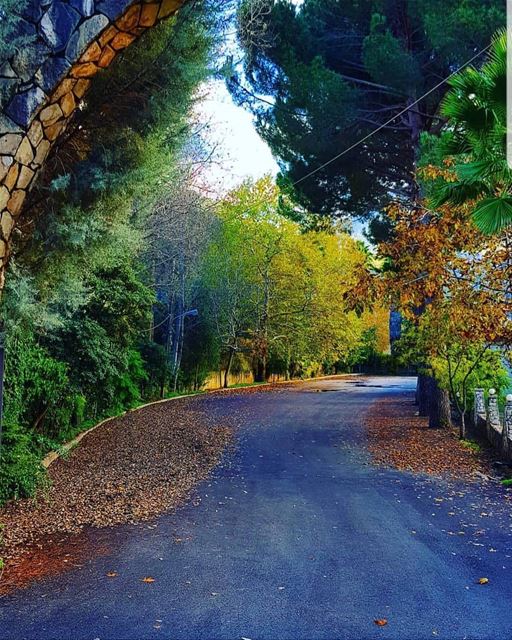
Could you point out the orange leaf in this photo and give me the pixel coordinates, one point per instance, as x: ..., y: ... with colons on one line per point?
x: 111, y: 574
x: 381, y: 622
x: 483, y: 581
x: 148, y: 579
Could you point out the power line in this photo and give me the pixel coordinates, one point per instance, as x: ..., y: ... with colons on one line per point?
x: 388, y: 122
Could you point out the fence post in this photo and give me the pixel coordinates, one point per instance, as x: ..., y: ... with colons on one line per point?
x: 507, y: 426
x: 479, y: 412
x: 493, y: 416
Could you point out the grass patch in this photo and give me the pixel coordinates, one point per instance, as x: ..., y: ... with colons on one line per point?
x: 241, y: 385
x: 472, y: 445
x: 507, y: 482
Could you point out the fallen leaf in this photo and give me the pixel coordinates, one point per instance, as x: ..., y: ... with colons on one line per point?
x: 111, y: 574
x: 483, y: 581
x: 381, y: 622
x: 149, y: 579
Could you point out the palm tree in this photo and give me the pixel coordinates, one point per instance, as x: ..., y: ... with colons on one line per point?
x: 476, y: 109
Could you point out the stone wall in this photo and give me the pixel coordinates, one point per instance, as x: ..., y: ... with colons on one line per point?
x: 498, y: 428
x: 44, y: 83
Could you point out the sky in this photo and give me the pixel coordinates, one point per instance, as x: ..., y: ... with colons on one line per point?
x: 239, y: 151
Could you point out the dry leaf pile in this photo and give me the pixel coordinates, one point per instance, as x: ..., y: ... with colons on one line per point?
x: 127, y: 470
x: 399, y: 438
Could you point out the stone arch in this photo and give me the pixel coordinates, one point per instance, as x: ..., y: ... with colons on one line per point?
x: 72, y: 41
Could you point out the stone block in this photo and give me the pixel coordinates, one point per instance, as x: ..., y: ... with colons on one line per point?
x: 35, y: 133
x: 41, y: 152
x: 51, y: 72
x: 6, y: 224
x: 12, y: 176
x: 25, y: 178
x: 149, y: 14
x: 8, y: 126
x: 53, y: 131
x: 23, y: 106
x: 57, y: 24
x: 9, y: 143
x: 4, y: 197
x: 81, y: 39
x: 107, y: 35
x: 81, y: 87
x: 112, y: 8
x: 107, y: 55
x: 50, y: 114
x: 64, y: 87
x: 68, y: 104
x: 92, y: 53
x: 25, y: 153
x: 130, y: 19
x: 86, y: 70
x: 3, y: 252
x: 122, y: 40
x: 16, y: 201
x: 84, y: 7
x: 5, y: 163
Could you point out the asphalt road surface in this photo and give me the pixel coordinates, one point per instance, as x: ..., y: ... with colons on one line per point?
x: 296, y: 536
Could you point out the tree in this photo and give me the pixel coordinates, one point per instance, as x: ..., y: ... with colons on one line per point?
x: 476, y: 139
x: 441, y: 263
x: 335, y: 71
x: 277, y: 291
x: 79, y: 298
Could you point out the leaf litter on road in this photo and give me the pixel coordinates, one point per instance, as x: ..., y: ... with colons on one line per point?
x: 127, y: 471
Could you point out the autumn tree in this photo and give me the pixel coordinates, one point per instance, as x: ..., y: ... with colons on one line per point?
x: 460, y: 279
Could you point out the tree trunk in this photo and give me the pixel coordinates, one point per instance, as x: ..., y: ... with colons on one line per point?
x: 462, y: 430
x: 228, y: 368
x: 440, y: 408
x: 423, y: 394
x: 261, y: 370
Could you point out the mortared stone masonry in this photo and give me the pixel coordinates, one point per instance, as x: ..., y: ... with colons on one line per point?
x: 43, y: 84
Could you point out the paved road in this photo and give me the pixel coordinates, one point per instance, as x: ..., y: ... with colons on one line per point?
x: 296, y: 536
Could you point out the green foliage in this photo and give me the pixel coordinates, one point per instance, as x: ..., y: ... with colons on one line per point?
x: 20, y: 469
x: 475, y: 141
x: 129, y: 383
x: 13, y: 37
x: 276, y: 292
x: 336, y: 71
x: 471, y: 445
x: 78, y: 301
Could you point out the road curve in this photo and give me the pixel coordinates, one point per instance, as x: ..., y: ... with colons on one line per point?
x: 296, y: 536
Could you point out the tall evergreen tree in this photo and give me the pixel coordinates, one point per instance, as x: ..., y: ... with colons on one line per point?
x: 322, y: 75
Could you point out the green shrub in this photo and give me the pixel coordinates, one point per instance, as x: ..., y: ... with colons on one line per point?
x: 20, y: 466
